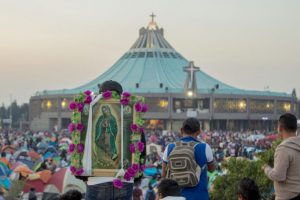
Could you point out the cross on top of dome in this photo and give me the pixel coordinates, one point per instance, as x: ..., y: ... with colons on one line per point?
x: 152, y: 24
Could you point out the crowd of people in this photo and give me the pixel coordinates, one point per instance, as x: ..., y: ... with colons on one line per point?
x: 50, y: 149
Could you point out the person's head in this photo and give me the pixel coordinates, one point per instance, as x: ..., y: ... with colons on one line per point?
x: 111, y: 86
x: 248, y: 190
x: 168, y: 187
x: 3, y: 154
x: 287, y: 125
x: 32, y: 189
x: 191, y: 126
x: 71, y: 195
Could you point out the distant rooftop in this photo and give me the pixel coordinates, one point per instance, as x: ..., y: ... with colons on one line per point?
x: 151, y: 65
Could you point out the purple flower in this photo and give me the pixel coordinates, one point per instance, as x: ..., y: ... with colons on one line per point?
x: 142, y: 130
x: 135, y: 167
x: 142, y: 167
x: 131, y: 172
x: 71, y: 127
x: 88, y: 92
x: 71, y: 148
x: 127, y: 176
x: 80, y: 107
x: 124, y: 102
x: 126, y: 94
x: 107, y: 94
x: 80, y: 148
x: 118, y: 183
x: 72, y: 169
x: 134, y: 128
x: 79, y: 127
x: 132, y: 148
x: 79, y: 171
x: 145, y: 108
x: 138, y: 107
x: 72, y: 106
x: 140, y: 146
x: 88, y: 100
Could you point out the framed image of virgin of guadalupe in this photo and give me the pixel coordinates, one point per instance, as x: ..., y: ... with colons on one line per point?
x: 111, y: 137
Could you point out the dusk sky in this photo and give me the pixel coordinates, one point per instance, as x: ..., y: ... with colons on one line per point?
x: 56, y: 44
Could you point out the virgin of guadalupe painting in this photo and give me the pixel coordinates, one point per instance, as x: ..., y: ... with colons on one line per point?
x: 106, y: 134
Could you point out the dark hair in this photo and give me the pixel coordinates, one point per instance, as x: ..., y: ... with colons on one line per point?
x: 190, y: 126
x: 32, y: 189
x: 111, y: 86
x: 168, y: 187
x: 248, y: 189
x: 289, y: 122
x: 71, y: 195
x: 3, y: 154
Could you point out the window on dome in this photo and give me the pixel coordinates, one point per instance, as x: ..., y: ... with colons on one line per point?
x: 160, y: 55
x: 166, y: 55
x: 173, y: 55
x: 149, y: 55
x: 128, y: 55
x: 141, y: 54
x: 179, y: 56
x: 155, y: 54
x: 134, y: 55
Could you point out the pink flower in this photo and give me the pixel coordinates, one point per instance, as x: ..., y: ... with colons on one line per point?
x: 134, y: 128
x: 132, y: 148
x: 71, y: 127
x: 118, y: 183
x: 140, y: 146
x: 127, y: 176
x: 88, y: 100
x: 142, y: 167
x: 80, y: 107
x: 124, y: 102
x: 145, y: 108
x: 138, y: 107
x: 88, y: 92
x: 131, y: 172
x: 79, y: 127
x: 107, y: 94
x: 72, y: 169
x: 80, y: 148
x: 72, y: 106
x: 126, y: 94
x: 135, y: 167
x: 71, y: 148
x: 79, y: 171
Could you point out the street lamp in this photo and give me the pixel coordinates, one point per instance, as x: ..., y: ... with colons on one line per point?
x: 190, y: 93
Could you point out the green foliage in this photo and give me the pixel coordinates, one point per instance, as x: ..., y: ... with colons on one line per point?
x: 225, y: 187
x: 19, y: 113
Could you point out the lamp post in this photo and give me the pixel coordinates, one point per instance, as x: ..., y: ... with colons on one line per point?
x: 213, y: 89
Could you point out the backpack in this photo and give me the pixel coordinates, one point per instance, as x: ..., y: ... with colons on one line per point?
x: 182, y: 166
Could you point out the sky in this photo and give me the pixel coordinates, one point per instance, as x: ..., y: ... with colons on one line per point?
x: 56, y: 44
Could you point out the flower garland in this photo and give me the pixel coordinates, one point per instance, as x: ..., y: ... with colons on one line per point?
x: 75, y: 128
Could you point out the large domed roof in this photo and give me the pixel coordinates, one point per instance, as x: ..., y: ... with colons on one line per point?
x: 152, y: 65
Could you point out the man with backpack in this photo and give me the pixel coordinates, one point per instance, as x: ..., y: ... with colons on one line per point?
x: 187, y: 162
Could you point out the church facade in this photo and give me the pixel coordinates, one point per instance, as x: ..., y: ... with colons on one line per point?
x: 174, y: 89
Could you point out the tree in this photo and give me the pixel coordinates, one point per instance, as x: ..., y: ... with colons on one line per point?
x: 225, y: 187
